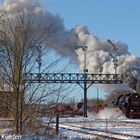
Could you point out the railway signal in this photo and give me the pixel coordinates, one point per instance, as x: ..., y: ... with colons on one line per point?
x: 85, y: 80
x: 74, y: 78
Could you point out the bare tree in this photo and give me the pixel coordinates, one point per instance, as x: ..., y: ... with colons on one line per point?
x: 23, y: 49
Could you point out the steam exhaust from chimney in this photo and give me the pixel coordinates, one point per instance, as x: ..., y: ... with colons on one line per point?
x: 99, y: 52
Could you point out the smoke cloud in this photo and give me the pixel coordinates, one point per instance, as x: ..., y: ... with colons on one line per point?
x: 100, y: 53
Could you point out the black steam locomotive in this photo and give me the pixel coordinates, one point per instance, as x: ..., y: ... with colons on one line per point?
x: 129, y: 104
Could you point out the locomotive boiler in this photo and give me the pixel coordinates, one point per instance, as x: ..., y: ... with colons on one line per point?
x: 129, y: 104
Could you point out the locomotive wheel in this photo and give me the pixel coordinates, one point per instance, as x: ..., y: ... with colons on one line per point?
x: 132, y: 115
x: 127, y: 113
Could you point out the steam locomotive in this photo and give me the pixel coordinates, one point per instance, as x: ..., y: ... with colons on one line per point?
x: 129, y: 104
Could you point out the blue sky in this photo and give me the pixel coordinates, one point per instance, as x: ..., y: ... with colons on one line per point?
x: 114, y: 19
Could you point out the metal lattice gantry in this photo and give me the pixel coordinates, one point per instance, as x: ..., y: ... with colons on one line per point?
x: 77, y: 78
x: 84, y: 79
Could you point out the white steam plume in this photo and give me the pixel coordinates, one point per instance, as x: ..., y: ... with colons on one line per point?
x: 107, y: 113
x: 99, y: 52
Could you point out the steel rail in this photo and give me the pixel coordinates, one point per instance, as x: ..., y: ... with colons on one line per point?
x: 97, y: 132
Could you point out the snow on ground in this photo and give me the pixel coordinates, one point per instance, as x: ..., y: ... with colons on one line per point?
x: 99, y: 121
x: 98, y: 124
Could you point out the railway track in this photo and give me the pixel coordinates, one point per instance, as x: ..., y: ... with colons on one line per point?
x: 96, y: 128
x: 109, y: 122
x: 97, y: 132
